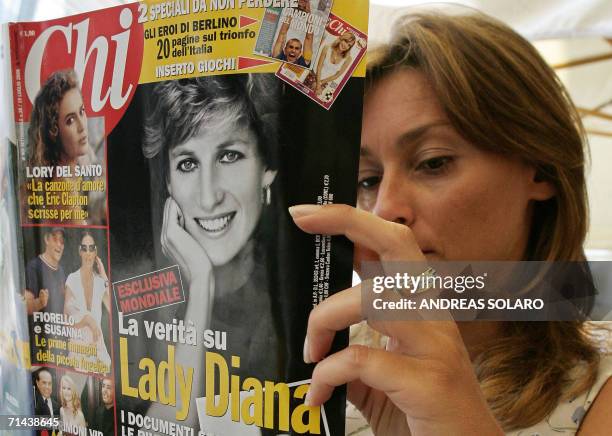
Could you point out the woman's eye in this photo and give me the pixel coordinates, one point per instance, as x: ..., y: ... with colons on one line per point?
x: 434, y: 165
x: 82, y: 111
x: 230, y: 156
x: 69, y: 120
x: 187, y: 165
x: 368, y: 182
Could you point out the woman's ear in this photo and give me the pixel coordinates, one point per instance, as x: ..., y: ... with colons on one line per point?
x: 268, y: 177
x: 540, y: 188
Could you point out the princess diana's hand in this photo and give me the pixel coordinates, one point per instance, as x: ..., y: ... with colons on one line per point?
x: 181, y: 247
x: 196, y: 268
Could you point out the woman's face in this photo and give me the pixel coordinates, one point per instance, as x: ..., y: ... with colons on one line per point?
x: 88, y: 251
x: 72, y: 124
x: 462, y: 203
x: 217, y: 179
x: 66, y: 392
x: 345, y: 45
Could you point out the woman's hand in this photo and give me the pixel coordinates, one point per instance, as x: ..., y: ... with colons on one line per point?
x: 101, y: 270
x: 181, y: 247
x: 195, y: 264
x: 193, y: 260
x: 91, y: 324
x: 423, y: 383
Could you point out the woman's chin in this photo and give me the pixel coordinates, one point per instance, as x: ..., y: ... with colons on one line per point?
x: 81, y: 153
x: 221, y: 259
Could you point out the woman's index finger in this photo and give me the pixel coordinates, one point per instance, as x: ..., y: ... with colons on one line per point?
x: 392, y: 241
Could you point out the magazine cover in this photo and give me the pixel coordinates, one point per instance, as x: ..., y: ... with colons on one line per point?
x: 293, y: 34
x: 164, y: 286
x: 15, y: 391
x: 342, y: 49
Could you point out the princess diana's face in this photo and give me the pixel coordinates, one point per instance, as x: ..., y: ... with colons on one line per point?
x: 217, y: 178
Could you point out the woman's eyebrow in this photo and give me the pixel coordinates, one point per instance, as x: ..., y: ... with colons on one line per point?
x: 180, y: 150
x: 69, y: 114
x: 410, y: 137
x: 232, y: 143
x: 417, y: 134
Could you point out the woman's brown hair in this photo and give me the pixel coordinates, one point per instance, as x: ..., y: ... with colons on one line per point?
x: 501, y: 96
x: 43, y: 134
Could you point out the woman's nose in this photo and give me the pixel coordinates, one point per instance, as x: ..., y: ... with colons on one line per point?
x: 395, y: 200
x: 211, y: 193
x: 81, y: 122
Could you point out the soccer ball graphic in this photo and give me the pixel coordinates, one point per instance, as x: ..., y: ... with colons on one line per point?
x: 327, y: 94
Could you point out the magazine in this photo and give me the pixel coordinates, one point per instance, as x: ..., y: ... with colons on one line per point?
x: 15, y: 390
x: 342, y: 49
x: 161, y: 283
x: 293, y: 34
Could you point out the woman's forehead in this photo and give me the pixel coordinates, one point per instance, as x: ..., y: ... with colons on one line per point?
x: 400, y: 102
x: 87, y: 238
x: 215, y: 134
x: 404, y: 91
x: 206, y: 119
x: 71, y: 101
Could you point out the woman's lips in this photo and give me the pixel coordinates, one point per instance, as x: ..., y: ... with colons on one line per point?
x: 217, y: 224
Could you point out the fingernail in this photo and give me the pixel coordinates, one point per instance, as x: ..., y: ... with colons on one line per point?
x: 307, y: 358
x: 301, y: 210
x: 307, y: 401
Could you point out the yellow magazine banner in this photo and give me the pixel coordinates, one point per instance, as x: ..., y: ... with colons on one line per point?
x: 191, y: 38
